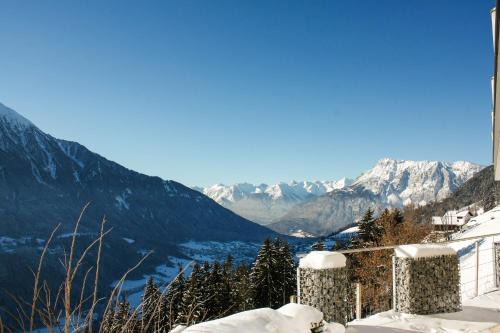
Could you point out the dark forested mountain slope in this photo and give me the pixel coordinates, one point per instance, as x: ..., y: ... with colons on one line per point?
x: 45, y: 181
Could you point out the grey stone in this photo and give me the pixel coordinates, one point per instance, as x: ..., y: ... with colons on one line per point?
x: 427, y: 285
x: 327, y: 291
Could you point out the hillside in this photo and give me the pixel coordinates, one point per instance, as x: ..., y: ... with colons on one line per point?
x: 479, y: 189
x: 46, y: 181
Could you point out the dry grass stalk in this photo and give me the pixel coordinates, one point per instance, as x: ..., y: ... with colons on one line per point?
x: 37, y: 278
x: 96, y: 278
x: 69, y: 275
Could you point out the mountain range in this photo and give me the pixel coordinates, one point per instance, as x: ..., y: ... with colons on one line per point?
x: 322, y: 207
x: 266, y: 203
x: 46, y: 181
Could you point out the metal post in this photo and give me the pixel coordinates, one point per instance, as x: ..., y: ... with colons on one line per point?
x: 495, y: 263
x: 358, y: 300
x: 394, y: 298
x: 298, y: 285
x: 477, y: 268
x: 494, y: 256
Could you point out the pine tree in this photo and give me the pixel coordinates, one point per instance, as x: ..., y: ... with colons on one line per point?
x: 286, y: 272
x: 226, y: 295
x: 108, y: 320
x: 263, y: 277
x: 170, y: 302
x: 150, y: 301
x: 193, y: 304
x: 369, y: 231
x: 205, y: 275
x: 242, y: 290
x: 123, y: 319
x: 398, y: 216
x: 336, y: 246
x: 213, y: 286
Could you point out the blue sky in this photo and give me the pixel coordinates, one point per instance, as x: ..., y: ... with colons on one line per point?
x: 260, y: 91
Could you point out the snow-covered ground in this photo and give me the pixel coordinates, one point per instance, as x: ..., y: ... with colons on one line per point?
x: 481, y: 314
x: 485, y: 224
x: 291, y: 318
x: 163, y: 274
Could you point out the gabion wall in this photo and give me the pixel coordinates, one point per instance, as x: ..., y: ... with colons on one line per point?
x: 497, y: 263
x: 326, y: 290
x: 427, y: 285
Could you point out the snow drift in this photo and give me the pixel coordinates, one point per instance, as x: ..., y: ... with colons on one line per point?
x: 291, y: 318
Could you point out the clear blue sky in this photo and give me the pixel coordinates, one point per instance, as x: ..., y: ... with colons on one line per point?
x: 261, y: 91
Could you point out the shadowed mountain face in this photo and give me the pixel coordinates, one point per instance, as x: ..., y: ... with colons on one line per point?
x: 45, y: 181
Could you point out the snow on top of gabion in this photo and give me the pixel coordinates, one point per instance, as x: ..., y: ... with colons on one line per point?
x: 423, y: 250
x: 322, y: 260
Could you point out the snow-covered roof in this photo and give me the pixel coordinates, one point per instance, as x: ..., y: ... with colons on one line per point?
x: 423, y: 250
x: 451, y: 217
x: 351, y: 230
x: 484, y: 224
x: 463, y: 213
x: 323, y: 260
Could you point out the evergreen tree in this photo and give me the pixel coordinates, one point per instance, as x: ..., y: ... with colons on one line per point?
x: 123, y: 319
x: 286, y: 272
x: 192, y: 306
x: 108, y: 321
x: 204, y: 289
x: 398, y: 216
x: 150, y: 301
x: 205, y: 271
x: 263, y: 277
x: 369, y: 231
x: 170, y: 302
x: 242, y: 289
x: 214, y: 302
x: 336, y: 246
x: 226, y: 294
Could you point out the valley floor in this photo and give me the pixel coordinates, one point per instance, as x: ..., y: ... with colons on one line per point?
x: 480, y: 314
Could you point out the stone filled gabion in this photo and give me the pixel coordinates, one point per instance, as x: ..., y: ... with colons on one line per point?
x: 497, y: 263
x: 427, y: 285
x: 326, y: 290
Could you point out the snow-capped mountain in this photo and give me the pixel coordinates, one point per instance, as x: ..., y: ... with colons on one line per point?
x: 36, y: 168
x: 46, y: 181
x: 265, y: 203
x: 401, y: 183
x: 390, y: 183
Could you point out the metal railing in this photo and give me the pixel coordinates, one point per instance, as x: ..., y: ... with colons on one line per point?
x: 478, y: 275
